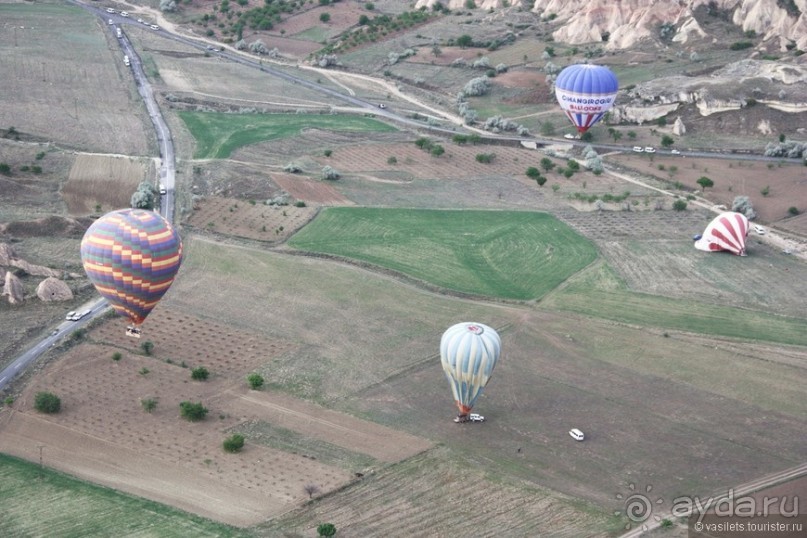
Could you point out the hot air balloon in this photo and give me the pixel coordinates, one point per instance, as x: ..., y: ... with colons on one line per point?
x: 132, y: 257
x: 726, y: 232
x: 468, y: 352
x: 585, y: 92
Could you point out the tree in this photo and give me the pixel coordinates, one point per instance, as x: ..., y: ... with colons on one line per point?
x: 437, y: 150
x: 5, y: 169
x: 147, y: 347
x: 234, y: 443
x: 311, y: 489
x: 533, y: 173
x: 325, y: 17
x: 547, y: 164
x: 149, y: 404
x: 255, y: 381
x: 667, y: 141
x: 705, y: 182
x: 169, y: 6
x: 679, y: 205
x: 329, y: 173
x: 485, y: 158
x: 192, y: 412
x: 47, y: 402
x: 145, y: 196
x: 588, y: 136
x: 477, y: 86
x: 742, y: 204
x: 465, y: 41
x: 200, y: 373
x: 793, y: 210
x: 326, y: 529
x: 363, y: 20
x: 540, y: 180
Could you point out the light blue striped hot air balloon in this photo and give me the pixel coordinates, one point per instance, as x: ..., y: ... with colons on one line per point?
x: 469, y: 352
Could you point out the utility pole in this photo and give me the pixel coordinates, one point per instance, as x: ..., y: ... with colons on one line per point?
x: 41, y: 467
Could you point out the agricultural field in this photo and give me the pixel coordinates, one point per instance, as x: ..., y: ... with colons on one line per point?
x: 510, y: 255
x: 254, y: 220
x: 100, y: 183
x: 69, y: 85
x: 219, y: 135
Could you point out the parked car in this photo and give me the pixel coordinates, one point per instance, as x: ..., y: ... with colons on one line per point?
x: 70, y: 315
x: 382, y: 105
x: 649, y: 149
x: 124, y: 13
x: 675, y: 152
x: 155, y: 27
x: 576, y: 434
x: 759, y: 229
x: 476, y: 418
x: 637, y: 149
x: 162, y: 189
x: 569, y: 136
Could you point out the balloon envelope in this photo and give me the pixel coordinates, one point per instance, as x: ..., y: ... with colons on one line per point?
x: 586, y: 92
x: 469, y: 352
x: 132, y: 257
x: 728, y: 231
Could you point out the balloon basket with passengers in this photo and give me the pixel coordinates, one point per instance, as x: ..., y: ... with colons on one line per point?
x: 468, y: 352
x: 132, y: 257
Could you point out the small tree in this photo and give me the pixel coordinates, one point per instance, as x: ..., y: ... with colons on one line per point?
x: 766, y: 190
x: 667, y: 141
x: 547, y: 164
x: 485, y: 158
x: 192, y: 412
x: 325, y: 17
x: 329, y: 173
x: 116, y: 356
x: 533, y: 173
x: 200, y: 374
x: 47, y: 402
x: 147, y: 347
x: 148, y: 404
x: 255, y: 381
x: 793, y: 210
x: 465, y: 41
x: 234, y: 443
x: 311, y: 489
x: 437, y: 150
x: 326, y: 529
x: 679, y: 205
x: 705, y: 182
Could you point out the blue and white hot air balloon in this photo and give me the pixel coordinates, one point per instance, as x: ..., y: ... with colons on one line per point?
x: 585, y: 92
x: 469, y: 352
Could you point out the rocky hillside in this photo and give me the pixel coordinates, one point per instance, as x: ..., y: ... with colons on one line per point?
x: 626, y: 23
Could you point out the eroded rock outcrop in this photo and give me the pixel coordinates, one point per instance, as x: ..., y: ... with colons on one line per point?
x: 53, y: 289
x: 13, y: 289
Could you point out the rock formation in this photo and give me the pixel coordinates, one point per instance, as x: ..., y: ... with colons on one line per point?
x: 53, y: 289
x: 13, y: 289
x: 679, y: 128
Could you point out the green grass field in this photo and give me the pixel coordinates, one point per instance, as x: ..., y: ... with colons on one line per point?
x: 219, y: 135
x: 598, y: 293
x: 41, y: 502
x: 505, y: 254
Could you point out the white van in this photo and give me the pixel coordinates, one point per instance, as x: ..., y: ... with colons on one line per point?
x: 576, y: 434
x: 759, y: 229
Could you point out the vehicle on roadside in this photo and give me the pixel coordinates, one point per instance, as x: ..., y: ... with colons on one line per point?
x: 638, y: 149
x: 162, y: 189
x: 111, y: 22
x: 675, y: 152
x: 126, y: 60
x: 475, y: 417
x: 576, y: 434
x: 759, y: 229
x: 141, y: 21
x: 155, y: 27
x: 124, y: 13
x: 70, y: 315
x: 382, y: 105
x: 110, y: 10
x: 569, y: 136
x: 649, y: 149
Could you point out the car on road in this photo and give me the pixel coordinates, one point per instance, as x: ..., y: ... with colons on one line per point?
x: 474, y: 417
x: 110, y: 10
x: 162, y: 189
x: 649, y: 149
x: 70, y: 315
x: 675, y: 152
x: 141, y: 21
x: 111, y: 22
x: 638, y: 149
x: 155, y: 27
x: 54, y: 332
x: 124, y: 13
x: 382, y: 105
x: 759, y: 229
x: 576, y: 434
x: 569, y: 136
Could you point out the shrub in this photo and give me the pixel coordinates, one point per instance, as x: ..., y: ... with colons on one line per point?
x: 147, y: 347
x: 766, y: 190
x: 255, y: 381
x: 148, y: 404
x: 192, y: 412
x: 234, y: 443
x: 437, y: 150
x: 392, y: 160
x: 330, y: 174
x: 533, y: 173
x: 326, y: 529
x: 679, y: 205
x: 705, y: 182
x: 117, y: 356
x: 299, y: 203
x: 47, y: 402
x: 793, y: 210
x: 328, y: 152
x: 485, y: 158
x: 477, y: 86
x: 200, y: 374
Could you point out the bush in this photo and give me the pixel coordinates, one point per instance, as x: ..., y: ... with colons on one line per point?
x: 147, y: 347
x: 192, y: 412
x: 255, y: 381
x: 679, y: 205
x: 47, y: 402
x: 437, y: 150
x: 234, y: 443
x: 330, y: 174
x: 477, y: 86
x: 200, y: 374
x: 793, y: 210
x: 149, y: 404
x: 485, y: 158
x: 392, y: 160
x: 326, y: 529
x: 117, y: 356
x: 533, y: 173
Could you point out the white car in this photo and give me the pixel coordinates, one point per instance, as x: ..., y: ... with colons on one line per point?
x: 759, y: 229
x: 111, y: 22
x: 474, y: 417
x: 162, y: 189
x: 568, y: 136
x: 110, y: 10
x: 124, y: 13
x: 675, y: 152
x: 382, y: 105
x: 70, y: 315
x: 155, y: 27
x: 638, y: 149
x: 576, y: 434
x: 649, y: 149
x: 141, y: 21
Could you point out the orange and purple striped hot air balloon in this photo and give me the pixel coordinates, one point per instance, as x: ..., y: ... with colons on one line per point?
x: 132, y: 257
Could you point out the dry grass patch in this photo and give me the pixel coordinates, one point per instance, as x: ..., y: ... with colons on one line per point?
x: 256, y: 220
x: 105, y: 180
